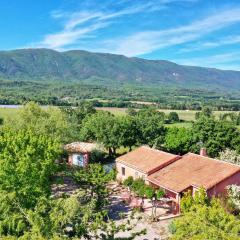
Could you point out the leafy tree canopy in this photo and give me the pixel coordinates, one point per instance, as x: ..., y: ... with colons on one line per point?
x: 178, y: 140
x: 215, y: 135
x: 205, y: 220
x: 49, y: 121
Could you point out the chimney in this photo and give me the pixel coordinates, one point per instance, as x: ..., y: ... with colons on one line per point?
x: 203, y: 152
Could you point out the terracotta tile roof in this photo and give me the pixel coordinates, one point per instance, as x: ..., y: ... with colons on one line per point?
x: 80, y: 147
x: 146, y: 159
x: 193, y: 169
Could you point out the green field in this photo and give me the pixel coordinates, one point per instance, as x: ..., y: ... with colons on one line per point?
x: 8, y: 113
x: 186, y: 115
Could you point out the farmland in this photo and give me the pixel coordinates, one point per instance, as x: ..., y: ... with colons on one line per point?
x: 186, y: 115
x: 8, y: 113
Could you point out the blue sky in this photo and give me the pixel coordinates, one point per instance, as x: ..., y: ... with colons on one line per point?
x: 191, y: 32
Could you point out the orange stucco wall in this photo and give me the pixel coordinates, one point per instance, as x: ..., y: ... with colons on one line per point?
x: 220, y: 188
x: 128, y: 172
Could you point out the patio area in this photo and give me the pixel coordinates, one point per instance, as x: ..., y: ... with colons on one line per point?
x: 122, y: 204
x: 163, y: 208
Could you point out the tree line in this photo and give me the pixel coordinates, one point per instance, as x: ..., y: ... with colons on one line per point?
x: 147, y: 126
x: 143, y: 127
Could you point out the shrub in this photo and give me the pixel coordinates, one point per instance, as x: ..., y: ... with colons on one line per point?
x: 149, y: 191
x: 97, y: 156
x: 138, y: 186
x: 160, y: 193
x: 234, y: 197
x: 172, y: 228
x: 173, y: 117
x: 128, y: 181
x: 188, y: 201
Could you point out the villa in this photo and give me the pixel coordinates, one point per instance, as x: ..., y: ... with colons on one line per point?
x: 178, y: 174
x: 142, y: 162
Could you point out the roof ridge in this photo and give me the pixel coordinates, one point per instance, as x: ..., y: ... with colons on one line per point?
x: 215, y: 159
x: 157, y: 150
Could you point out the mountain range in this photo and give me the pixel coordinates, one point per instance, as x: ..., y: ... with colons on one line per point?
x: 110, y: 69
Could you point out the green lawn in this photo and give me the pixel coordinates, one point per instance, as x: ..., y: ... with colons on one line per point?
x: 8, y: 113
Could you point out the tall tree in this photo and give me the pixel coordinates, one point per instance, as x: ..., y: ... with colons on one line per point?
x: 50, y: 121
x: 151, y: 125
x: 129, y: 131
x: 229, y: 155
x: 173, y: 117
x: 27, y: 162
x: 206, y: 112
x: 103, y: 128
x: 215, y: 135
x: 178, y: 140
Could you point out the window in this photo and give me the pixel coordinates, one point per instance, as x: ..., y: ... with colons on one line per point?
x: 123, y: 171
x: 136, y: 174
x: 78, y: 160
x: 143, y: 177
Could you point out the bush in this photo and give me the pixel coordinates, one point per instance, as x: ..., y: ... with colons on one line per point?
x: 128, y: 181
x: 138, y: 186
x: 172, y: 228
x: 149, y: 191
x: 173, y: 117
x: 97, y: 156
x: 234, y: 197
x: 188, y: 201
x: 160, y: 193
x: 206, y: 221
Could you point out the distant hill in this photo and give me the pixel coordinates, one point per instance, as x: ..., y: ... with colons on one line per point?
x: 45, y: 64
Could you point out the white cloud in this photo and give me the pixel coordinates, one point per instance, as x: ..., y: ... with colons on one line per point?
x: 223, y: 61
x: 57, y: 40
x: 80, y: 24
x: 148, y: 41
x: 198, y: 46
x: 86, y: 23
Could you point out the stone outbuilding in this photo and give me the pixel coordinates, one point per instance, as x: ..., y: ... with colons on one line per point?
x: 79, y: 153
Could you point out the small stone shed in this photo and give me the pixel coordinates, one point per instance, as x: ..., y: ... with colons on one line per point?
x: 79, y: 153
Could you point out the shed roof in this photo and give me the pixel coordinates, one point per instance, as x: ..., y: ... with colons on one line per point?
x: 193, y: 170
x: 146, y: 159
x: 80, y: 147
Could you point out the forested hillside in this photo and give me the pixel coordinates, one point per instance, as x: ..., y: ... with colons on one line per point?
x: 45, y: 64
x: 66, y: 78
